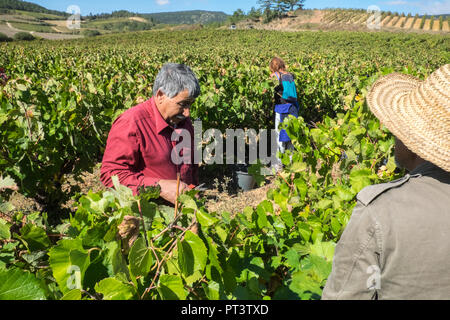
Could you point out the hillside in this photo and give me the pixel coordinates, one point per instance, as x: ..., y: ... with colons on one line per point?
x: 354, y: 20
x: 8, y: 6
x: 21, y: 16
x: 187, y: 17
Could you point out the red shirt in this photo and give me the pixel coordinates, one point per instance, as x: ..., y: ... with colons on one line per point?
x: 139, y: 149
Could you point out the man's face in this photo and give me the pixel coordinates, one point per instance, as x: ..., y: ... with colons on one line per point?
x: 176, y: 109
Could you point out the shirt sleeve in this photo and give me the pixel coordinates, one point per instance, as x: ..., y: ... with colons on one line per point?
x: 356, y: 271
x: 122, y: 157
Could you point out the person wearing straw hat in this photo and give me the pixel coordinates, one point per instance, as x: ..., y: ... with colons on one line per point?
x: 397, y: 242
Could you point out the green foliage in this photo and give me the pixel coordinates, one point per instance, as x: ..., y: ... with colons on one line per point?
x: 422, y: 22
x: 90, y: 33
x: 187, y: 17
x: 4, y: 38
x: 16, y: 284
x: 114, y: 14
x: 199, y: 255
x: 118, y: 26
x: 414, y: 21
x: 37, y: 27
x: 25, y: 36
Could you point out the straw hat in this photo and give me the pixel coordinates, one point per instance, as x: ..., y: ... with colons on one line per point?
x: 416, y: 112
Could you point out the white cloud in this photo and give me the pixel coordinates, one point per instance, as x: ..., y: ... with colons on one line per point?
x: 162, y: 2
x: 434, y: 7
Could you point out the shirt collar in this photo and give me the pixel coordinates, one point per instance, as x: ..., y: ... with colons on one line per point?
x: 425, y: 169
x: 160, y: 123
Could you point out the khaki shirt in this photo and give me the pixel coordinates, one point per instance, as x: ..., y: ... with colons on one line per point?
x: 397, y: 242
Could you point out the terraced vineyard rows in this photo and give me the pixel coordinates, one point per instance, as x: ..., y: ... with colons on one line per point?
x: 388, y: 20
x: 56, y: 111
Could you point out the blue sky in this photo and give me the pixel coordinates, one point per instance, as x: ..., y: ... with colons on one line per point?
x: 229, y: 6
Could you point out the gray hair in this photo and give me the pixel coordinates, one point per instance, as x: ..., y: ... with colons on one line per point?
x: 174, y: 78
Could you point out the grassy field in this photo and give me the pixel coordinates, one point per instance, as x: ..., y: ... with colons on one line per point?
x: 33, y: 27
x: 37, y: 15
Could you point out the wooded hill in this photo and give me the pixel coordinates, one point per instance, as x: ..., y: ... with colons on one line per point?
x: 7, y: 5
x: 187, y: 17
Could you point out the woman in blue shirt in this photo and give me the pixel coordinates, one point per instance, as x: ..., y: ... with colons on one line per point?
x: 286, y: 103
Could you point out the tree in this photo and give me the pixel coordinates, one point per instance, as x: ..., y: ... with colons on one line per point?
x: 266, y: 5
x: 237, y: 16
x: 254, y: 13
x: 293, y: 4
x: 3, y: 38
x: 239, y: 13
x: 281, y: 7
x: 25, y: 36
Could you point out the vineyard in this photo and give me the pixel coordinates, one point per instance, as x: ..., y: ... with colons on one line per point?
x: 57, y: 105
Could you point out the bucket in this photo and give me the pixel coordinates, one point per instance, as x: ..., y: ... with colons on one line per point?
x: 245, y: 181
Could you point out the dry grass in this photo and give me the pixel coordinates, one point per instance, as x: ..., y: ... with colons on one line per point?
x: 138, y: 19
x: 409, y: 22
x: 426, y: 26
x: 222, y: 201
x: 400, y: 22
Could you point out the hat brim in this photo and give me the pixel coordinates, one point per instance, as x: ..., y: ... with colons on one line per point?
x: 416, y: 112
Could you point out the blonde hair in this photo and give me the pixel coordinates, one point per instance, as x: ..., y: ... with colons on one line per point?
x: 277, y: 64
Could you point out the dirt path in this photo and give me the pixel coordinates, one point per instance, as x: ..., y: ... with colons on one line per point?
x: 49, y: 36
x: 317, y: 17
x: 138, y: 19
x: 58, y: 23
x: 222, y: 201
x: 7, y: 30
x: 12, y: 28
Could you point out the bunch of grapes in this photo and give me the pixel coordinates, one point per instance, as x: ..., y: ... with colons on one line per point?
x: 3, y: 77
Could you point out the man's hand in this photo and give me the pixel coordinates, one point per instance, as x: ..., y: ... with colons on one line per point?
x: 169, y: 189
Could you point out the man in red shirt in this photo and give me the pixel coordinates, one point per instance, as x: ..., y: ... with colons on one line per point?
x: 141, y: 140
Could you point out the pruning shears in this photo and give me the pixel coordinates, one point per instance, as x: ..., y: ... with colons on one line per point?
x: 200, y: 187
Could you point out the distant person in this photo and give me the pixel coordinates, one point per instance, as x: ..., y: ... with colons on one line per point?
x: 397, y: 242
x: 139, y: 145
x: 286, y: 103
